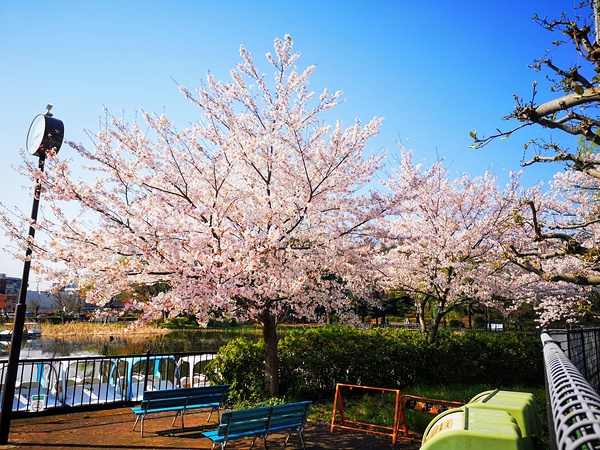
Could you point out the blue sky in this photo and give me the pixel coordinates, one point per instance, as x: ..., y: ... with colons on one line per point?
x: 433, y: 70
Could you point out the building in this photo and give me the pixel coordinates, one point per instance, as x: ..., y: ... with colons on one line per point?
x: 42, y: 302
x: 9, y: 292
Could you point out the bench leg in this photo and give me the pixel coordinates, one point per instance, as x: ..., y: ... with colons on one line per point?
x: 141, y: 416
x: 175, y: 418
x: 301, y: 439
x: 299, y: 435
x: 136, y: 422
x: 264, y: 438
x: 218, y: 410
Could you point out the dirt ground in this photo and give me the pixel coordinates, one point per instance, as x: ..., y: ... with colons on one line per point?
x: 112, y: 429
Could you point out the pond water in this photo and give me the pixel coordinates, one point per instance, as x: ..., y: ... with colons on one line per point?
x: 176, y: 341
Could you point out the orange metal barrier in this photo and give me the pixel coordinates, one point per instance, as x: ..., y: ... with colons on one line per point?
x: 427, y: 405
x: 360, y: 426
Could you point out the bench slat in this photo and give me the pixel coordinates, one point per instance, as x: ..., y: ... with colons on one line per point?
x: 252, y: 421
x: 165, y: 393
x: 250, y: 427
x: 205, y: 399
x: 289, y: 416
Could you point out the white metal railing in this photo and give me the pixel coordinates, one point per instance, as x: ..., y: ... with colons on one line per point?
x: 574, y: 405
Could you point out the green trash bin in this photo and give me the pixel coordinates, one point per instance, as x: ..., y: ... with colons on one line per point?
x: 520, y: 405
x: 468, y: 428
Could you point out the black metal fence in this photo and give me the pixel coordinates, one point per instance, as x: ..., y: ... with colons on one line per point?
x: 582, y: 347
x: 570, y: 357
x: 59, y: 384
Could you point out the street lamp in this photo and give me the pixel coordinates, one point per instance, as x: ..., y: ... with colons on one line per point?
x: 45, y: 134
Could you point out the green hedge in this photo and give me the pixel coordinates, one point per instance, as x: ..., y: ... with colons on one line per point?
x: 313, y: 360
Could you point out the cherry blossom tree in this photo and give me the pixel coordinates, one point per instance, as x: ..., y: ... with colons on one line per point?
x: 554, y: 236
x: 443, y: 236
x: 242, y: 214
x: 552, y: 302
x: 557, y: 229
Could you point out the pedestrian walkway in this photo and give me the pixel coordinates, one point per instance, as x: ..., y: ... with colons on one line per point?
x: 112, y: 429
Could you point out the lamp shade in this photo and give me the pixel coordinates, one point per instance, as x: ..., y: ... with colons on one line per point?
x: 45, y: 133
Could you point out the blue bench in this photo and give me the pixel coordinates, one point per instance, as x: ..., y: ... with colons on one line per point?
x: 181, y: 400
x: 260, y: 422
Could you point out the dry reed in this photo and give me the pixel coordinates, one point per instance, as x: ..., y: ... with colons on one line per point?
x: 97, y: 329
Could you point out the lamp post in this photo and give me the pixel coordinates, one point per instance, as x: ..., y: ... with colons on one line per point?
x: 45, y: 133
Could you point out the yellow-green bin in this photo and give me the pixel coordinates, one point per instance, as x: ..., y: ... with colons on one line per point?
x: 468, y: 428
x: 520, y: 405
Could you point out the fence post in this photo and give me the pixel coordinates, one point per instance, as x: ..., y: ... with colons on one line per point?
x: 147, y: 369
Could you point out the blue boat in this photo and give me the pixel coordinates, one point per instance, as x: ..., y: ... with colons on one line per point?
x: 36, y: 386
x: 88, y: 382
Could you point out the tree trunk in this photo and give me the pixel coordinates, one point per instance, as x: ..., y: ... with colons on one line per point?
x: 435, y: 326
x: 421, y: 315
x: 470, y: 315
x: 271, y: 358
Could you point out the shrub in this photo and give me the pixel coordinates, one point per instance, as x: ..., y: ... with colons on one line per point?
x: 454, y: 323
x: 240, y: 363
x: 179, y: 323
x: 497, y: 359
x: 314, y: 360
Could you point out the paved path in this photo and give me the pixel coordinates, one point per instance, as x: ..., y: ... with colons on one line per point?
x: 111, y: 429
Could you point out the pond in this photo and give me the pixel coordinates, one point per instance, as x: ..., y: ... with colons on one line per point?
x: 176, y: 341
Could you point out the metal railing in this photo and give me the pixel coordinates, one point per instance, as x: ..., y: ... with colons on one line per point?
x: 582, y: 347
x: 57, y: 384
x: 573, y: 403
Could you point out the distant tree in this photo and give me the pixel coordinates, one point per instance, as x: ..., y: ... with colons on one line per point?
x: 67, y: 302
x: 378, y: 305
x: 239, y: 214
x: 34, y: 305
